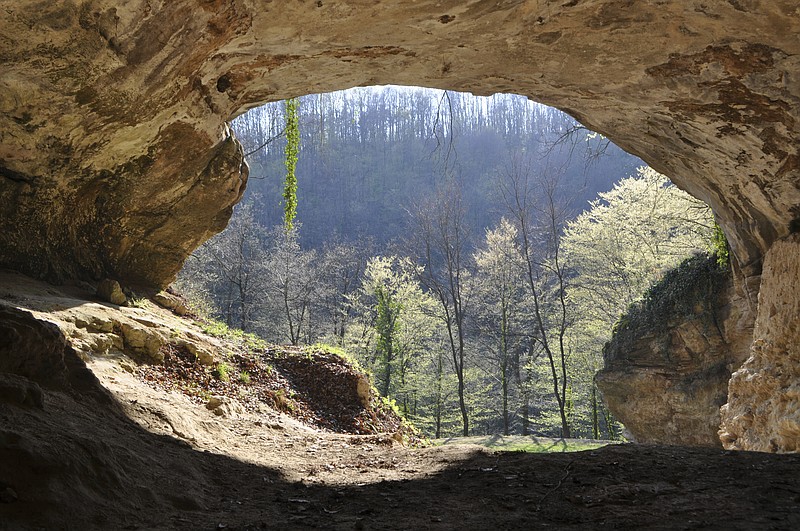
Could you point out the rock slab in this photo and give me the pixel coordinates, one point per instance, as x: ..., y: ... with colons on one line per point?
x: 667, y: 367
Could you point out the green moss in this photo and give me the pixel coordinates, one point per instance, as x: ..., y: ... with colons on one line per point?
x: 689, y: 290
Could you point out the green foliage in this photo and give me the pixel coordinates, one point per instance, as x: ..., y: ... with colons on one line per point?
x: 137, y: 302
x: 692, y: 286
x: 215, y: 328
x: 630, y: 235
x: 244, y: 377
x: 719, y: 246
x: 386, y: 326
x: 254, y: 343
x: 395, y: 326
x: 291, y: 153
x: 617, y: 250
x: 222, y: 371
x: 391, y: 405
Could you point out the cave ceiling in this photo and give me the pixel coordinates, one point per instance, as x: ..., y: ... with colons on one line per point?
x: 116, y: 159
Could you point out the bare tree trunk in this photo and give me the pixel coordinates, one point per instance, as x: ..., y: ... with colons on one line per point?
x: 519, y: 200
x: 504, y: 363
x: 439, y: 405
x: 595, y: 423
x: 440, y: 235
x: 505, y: 403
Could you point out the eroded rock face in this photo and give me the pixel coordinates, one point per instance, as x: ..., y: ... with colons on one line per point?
x: 667, y: 368
x: 31, y: 348
x: 763, y: 409
x: 116, y: 162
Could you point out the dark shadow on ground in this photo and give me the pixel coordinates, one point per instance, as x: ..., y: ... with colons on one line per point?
x: 73, y: 461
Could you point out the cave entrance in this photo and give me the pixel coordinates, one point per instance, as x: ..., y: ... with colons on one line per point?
x: 375, y: 163
x: 115, y: 163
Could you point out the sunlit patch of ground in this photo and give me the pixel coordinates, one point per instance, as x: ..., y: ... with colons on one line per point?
x: 526, y: 443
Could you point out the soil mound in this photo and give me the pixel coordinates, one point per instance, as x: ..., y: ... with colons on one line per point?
x: 314, y: 385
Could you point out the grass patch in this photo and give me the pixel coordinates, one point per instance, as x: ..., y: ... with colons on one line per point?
x: 525, y: 443
x: 221, y: 330
x: 223, y: 371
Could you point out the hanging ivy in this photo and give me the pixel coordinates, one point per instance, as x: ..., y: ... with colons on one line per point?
x: 292, y: 151
x: 719, y: 246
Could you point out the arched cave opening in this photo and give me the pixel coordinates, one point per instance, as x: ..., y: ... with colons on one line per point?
x: 115, y: 163
x: 371, y: 159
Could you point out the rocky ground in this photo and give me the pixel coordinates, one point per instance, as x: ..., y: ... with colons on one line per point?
x: 125, y: 446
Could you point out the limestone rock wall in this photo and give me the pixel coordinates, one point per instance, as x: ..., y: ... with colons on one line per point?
x: 763, y: 409
x: 115, y: 160
x: 667, y: 367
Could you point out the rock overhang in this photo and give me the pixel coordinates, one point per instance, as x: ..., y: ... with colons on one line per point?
x: 114, y: 116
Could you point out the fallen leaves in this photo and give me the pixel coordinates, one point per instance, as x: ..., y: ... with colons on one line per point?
x: 318, y: 388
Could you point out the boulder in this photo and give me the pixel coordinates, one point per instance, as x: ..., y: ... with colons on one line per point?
x: 667, y: 367
x: 110, y: 291
x: 223, y: 406
x: 171, y: 302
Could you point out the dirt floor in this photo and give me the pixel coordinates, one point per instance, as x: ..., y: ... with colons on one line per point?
x: 117, y: 453
x: 162, y: 462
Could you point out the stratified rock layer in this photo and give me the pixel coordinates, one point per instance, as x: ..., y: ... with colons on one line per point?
x: 116, y: 161
x: 667, y: 367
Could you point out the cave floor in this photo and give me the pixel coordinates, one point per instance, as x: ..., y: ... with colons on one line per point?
x: 119, y: 454
x: 154, y: 460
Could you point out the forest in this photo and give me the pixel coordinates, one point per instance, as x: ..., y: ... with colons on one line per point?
x: 472, y: 254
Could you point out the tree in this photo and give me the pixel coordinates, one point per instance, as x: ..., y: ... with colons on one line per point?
x: 498, y: 283
x: 401, y: 320
x: 440, y: 239
x: 629, y: 236
x: 539, y: 212
x: 369, y: 153
x: 292, y: 283
x: 340, y: 268
x: 432, y: 388
x: 230, y: 267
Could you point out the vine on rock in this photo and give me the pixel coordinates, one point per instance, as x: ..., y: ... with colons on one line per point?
x: 292, y: 151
